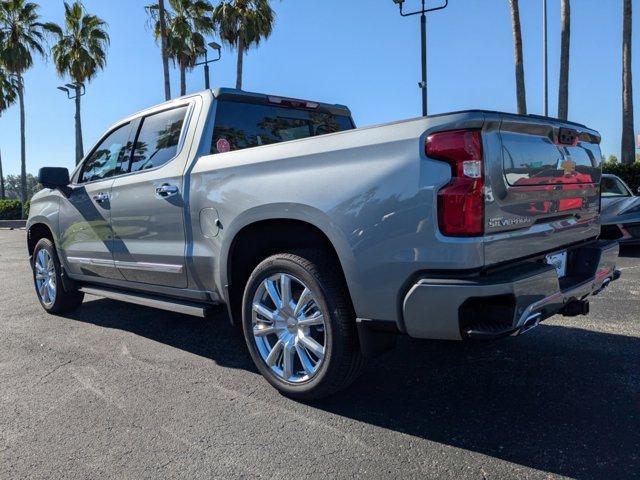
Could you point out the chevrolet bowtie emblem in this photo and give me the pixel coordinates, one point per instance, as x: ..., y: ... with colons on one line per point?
x: 569, y: 166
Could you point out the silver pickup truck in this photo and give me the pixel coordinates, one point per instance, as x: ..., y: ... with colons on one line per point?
x: 325, y: 241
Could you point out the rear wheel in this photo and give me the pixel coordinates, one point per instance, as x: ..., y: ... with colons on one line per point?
x: 47, y: 278
x: 299, y: 325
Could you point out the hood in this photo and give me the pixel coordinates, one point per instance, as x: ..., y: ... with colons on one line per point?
x: 614, y: 208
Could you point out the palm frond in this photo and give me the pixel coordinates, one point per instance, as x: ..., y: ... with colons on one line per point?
x: 23, y: 35
x: 80, y: 50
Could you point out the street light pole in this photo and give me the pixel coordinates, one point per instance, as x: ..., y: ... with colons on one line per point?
x: 423, y: 31
x: 216, y: 47
x: 545, y: 67
x: 77, y: 87
x: 423, y: 84
x: 74, y: 91
x: 207, y: 83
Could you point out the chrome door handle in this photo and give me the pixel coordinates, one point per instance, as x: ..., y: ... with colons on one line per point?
x: 167, y: 190
x: 101, y: 197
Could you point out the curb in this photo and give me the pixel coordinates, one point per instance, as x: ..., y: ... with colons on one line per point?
x: 12, y: 224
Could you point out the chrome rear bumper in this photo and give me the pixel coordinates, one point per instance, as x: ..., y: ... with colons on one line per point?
x: 507, y: 302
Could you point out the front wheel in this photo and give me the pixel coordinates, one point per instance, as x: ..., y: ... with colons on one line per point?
x: 299, y: 325
x: 47, y: 278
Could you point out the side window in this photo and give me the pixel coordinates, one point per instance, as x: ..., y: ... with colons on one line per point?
x: 102, y: 163
x: 158, y: 138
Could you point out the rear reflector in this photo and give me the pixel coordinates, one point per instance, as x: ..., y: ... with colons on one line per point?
x: 461, y: 202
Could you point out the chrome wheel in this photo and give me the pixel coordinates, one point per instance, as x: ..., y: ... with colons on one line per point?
x: 45, y: 277
x: 289, y: 327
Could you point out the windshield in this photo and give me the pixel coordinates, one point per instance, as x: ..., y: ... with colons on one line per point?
x: 245, y: 125
x: 613, y: 187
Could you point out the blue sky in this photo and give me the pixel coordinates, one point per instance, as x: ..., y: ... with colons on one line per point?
x: 357, y: 52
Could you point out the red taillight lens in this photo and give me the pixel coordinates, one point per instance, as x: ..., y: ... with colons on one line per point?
x: 461, y: 202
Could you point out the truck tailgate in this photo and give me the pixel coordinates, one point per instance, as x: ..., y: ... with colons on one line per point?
x: 542, y: 189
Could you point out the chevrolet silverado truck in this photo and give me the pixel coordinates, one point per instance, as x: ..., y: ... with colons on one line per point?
x: 325, y: 241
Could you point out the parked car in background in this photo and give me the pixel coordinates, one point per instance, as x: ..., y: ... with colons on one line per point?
x: 324, y: 240
x: 620, y: 214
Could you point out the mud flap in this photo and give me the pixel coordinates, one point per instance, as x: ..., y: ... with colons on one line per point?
x: 374, y: 341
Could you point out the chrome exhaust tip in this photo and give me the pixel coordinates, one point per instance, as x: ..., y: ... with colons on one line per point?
x: 530, y: 323
x: 605, y: 284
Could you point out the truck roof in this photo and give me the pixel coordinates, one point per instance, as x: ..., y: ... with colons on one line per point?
x: 262, y: 98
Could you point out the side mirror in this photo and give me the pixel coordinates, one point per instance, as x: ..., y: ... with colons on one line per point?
x: 638, y: 191
x: 53, y: 177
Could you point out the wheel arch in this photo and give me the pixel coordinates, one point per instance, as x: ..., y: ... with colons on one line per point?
x: 285, y: 229
x: 36, y: 231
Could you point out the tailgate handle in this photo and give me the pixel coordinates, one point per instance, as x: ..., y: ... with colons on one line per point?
x: 567, y: 136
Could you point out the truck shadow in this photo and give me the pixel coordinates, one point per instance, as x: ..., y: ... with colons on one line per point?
x: 630, y: 251
x: 562, y: 400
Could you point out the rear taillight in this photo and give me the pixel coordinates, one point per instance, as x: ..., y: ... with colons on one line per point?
x: 461, y: 202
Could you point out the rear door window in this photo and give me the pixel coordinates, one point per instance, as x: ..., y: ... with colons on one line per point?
x: 158, y: 138
x: 244, y: 125
x: 104, y: 159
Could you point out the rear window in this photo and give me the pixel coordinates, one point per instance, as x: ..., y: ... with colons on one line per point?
x: 245, y: 125
x: 531, y: 159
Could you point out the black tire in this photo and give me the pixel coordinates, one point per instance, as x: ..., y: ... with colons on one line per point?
x: 66, y: 300
x: 343, y: 360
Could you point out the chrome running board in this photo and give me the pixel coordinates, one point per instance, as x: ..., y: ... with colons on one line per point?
x: 177, y: 306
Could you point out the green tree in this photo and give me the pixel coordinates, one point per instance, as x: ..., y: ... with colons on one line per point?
x: 13, y: 185
x: 8, y: 95
x: 628, y: 146
x: 243, y: 23
x: 521, y: 94
x: 188, y: 24
x: 80, y: 52
x: 21, y: 35
x: 563, y: 85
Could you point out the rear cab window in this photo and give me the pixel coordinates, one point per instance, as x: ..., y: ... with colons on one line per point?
x: 240, y: 125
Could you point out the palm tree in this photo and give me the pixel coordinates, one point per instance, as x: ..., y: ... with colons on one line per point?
x: 158, y: 17
x: 8, y: 96
x: 162, y: 20
x: 22, y: 35
x: 518, y: 57
x: 79, y: 52
x: 188, y: 22
x: 563, y: 87
x: 8, y: 90
x: 628, y: 148
x: 243, y: 23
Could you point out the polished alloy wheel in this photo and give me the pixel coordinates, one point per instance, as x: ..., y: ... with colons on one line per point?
x: 45, y: 277
x: 289, y: 327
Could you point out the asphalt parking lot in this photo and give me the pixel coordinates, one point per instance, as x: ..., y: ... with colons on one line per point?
x: 121, y: 391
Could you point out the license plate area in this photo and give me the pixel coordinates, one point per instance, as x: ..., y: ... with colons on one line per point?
x: 558, y: 261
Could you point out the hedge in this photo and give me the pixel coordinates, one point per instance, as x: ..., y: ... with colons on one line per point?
x: 10, y: 209
x: 629, y: 172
